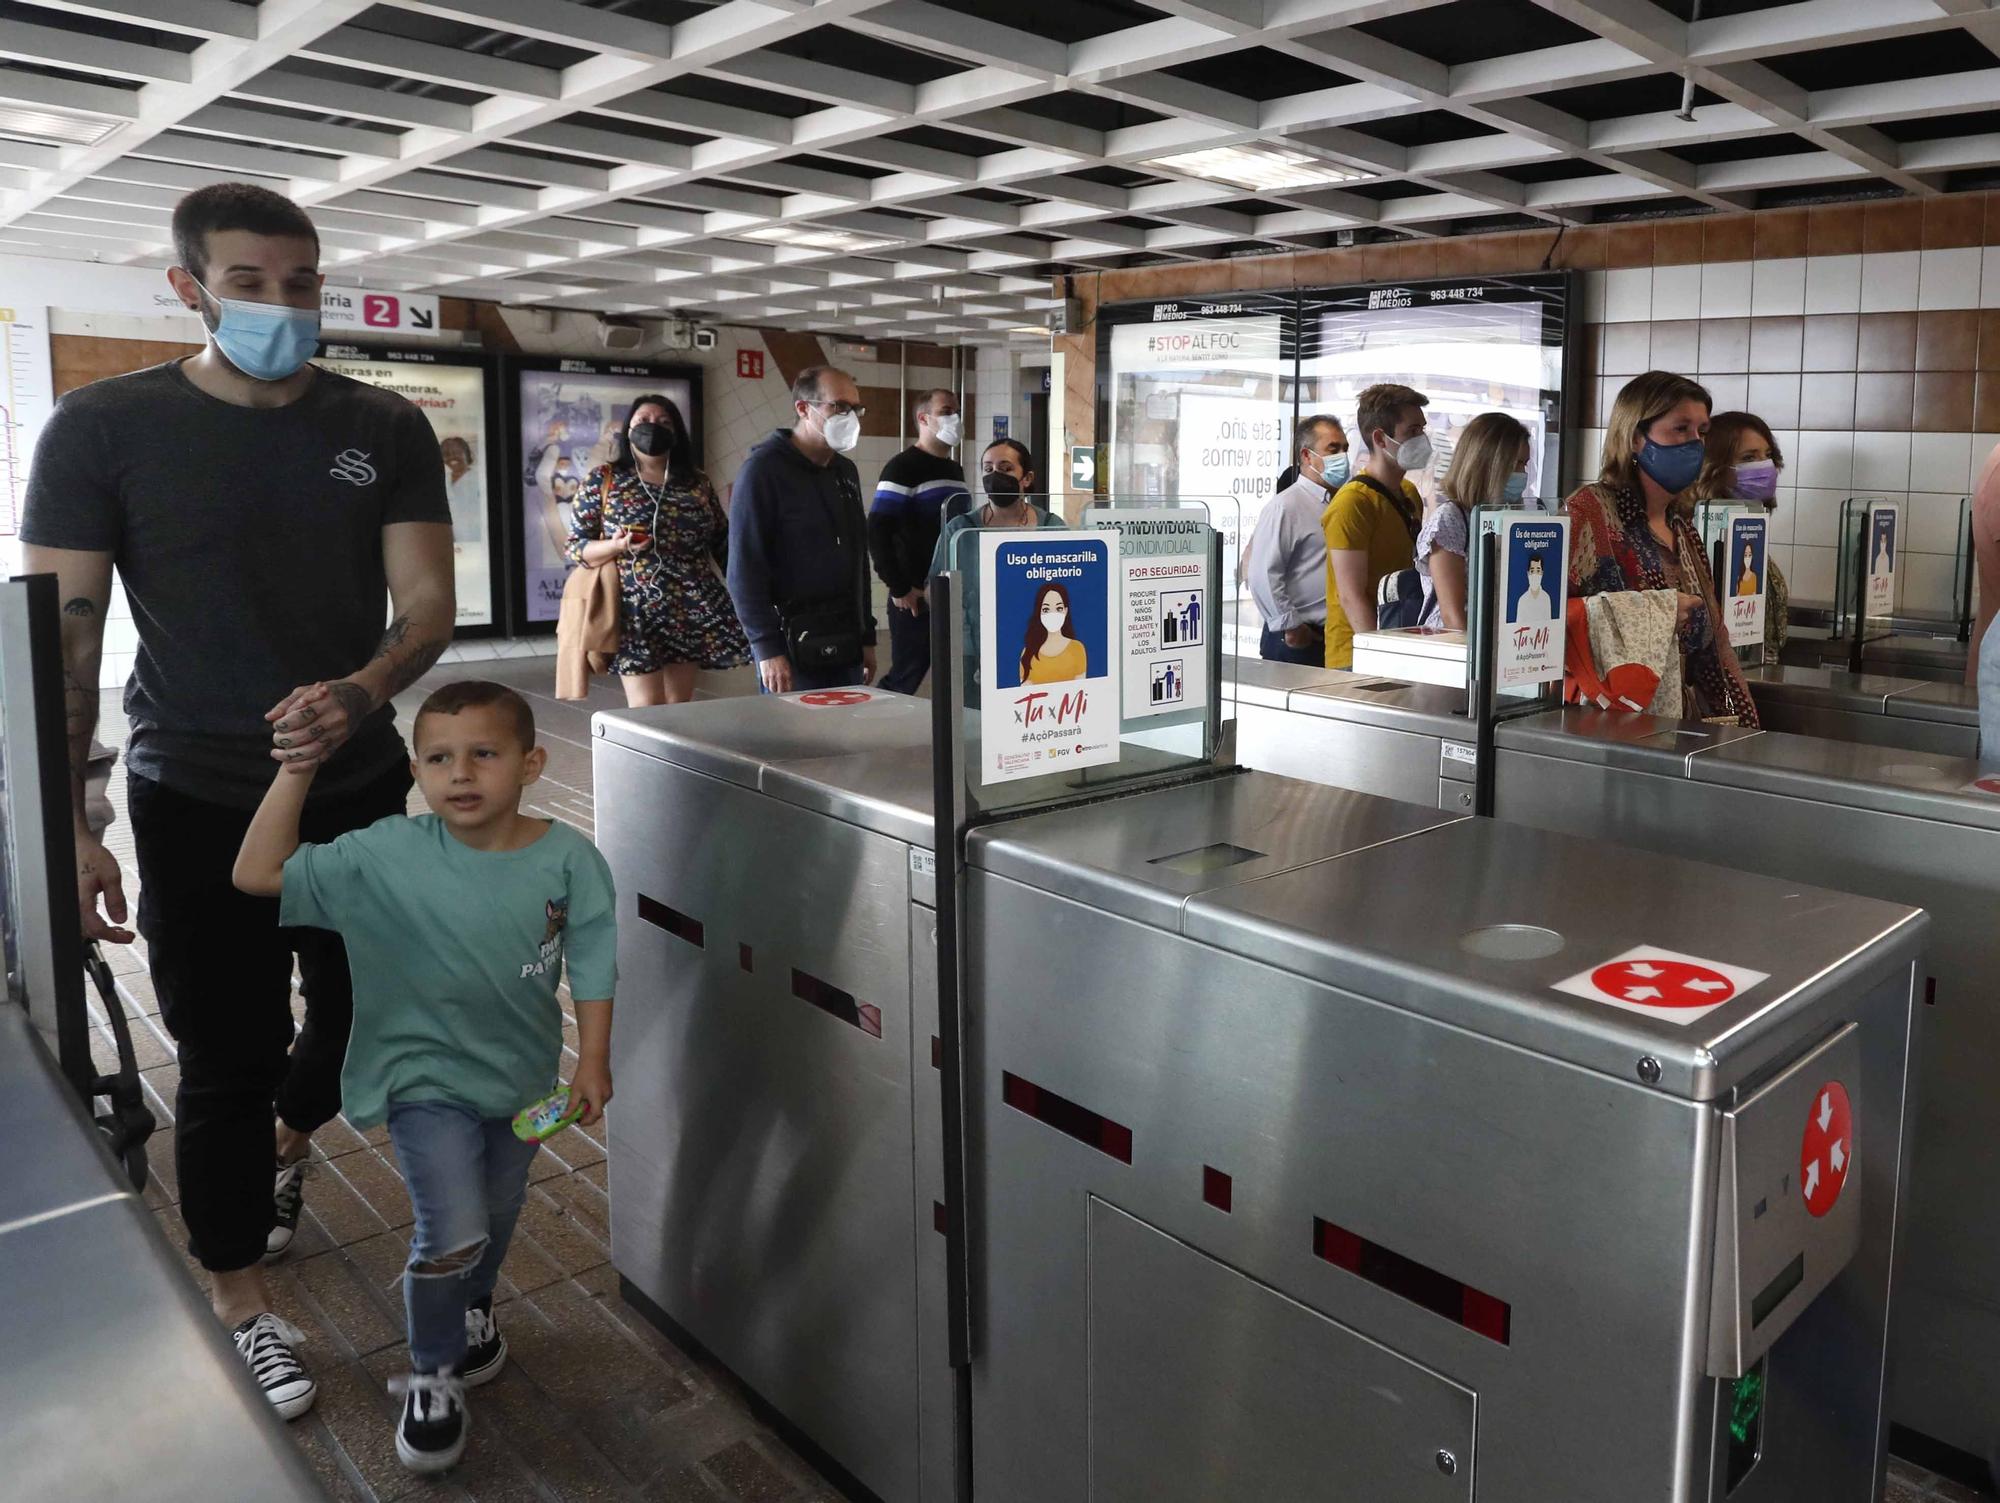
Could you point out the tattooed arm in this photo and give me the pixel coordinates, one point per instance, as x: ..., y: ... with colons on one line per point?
x: 84, y: 582
x: 311, y: 722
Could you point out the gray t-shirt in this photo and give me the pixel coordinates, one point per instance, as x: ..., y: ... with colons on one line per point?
x: 249, y: 541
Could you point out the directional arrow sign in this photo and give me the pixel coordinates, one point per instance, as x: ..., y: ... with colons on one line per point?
x: 1663, y: 984
x: 422, y: 318
x: 1829, y: 1138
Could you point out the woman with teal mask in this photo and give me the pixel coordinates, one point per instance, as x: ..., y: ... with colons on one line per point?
x: 1629, y: 530
x: 1489, y: 467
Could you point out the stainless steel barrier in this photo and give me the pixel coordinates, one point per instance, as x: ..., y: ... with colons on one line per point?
x: 776, y: 1168
x: 1915, y: 714
x: 1901, y: 825
x: 1299, y: 1172
x: 1404, y: 741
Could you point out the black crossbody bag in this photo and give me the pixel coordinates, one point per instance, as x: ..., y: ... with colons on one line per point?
x: 825, y: 632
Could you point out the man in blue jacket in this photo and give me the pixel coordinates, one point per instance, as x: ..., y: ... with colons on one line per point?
x: 798, y: 544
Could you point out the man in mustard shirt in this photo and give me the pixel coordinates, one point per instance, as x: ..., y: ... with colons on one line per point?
x: 1371, y: 523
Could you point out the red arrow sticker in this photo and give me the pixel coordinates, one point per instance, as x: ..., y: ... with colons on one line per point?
x: 831, y: 699
x: 1826, y: 1155
x: 1663, y: 983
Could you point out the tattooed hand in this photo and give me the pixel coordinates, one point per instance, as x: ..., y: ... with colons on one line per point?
x: 312, y: 722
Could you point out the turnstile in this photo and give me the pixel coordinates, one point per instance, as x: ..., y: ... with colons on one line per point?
x: 1902, y: 825
x: 776, y: 1171
x: 1303, y: 1170
x: 1916, y: 714
x: 1373, y: 735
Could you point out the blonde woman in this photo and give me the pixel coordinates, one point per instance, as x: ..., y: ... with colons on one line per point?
x: 1628, y: 532
x: 1489, y: 467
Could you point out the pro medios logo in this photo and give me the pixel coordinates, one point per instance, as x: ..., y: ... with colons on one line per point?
x: 352, y: 466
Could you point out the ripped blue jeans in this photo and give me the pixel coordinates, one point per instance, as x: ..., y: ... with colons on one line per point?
x: 467, y: 1177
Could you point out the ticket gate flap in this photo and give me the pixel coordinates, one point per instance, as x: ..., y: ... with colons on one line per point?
x: 1145, y: 858
x: 1572, y: 949
x: 1616, y: 738
x: 1922, y: 785
x: 734, y: 739
x: 1428, y: 709
x: 1788, y: 1209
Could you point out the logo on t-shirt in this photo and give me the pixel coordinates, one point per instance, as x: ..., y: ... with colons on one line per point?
x: 557, y: 912
x: 352, y: 466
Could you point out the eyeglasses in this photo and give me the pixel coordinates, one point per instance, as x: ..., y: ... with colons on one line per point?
x: 842, y: 409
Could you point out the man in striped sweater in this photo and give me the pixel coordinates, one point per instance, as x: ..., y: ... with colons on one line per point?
x: 919, y: 488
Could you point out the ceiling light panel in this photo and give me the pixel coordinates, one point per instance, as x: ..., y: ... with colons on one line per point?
x: 1261, y: 169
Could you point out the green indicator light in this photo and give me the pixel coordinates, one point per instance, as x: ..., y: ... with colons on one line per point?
x: 1746, y: 1404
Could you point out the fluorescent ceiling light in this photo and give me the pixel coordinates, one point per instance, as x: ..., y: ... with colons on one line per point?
x: 55, y: 126
x: 1256, y: 167
x: 816, y: 239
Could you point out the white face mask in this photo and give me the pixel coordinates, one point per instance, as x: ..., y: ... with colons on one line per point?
x: 843, y: 431
x: 945, y: 430
x: 1414, y: 453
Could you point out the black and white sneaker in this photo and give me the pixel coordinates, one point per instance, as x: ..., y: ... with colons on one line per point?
x: 265, y: 1343
x: 288, y: 1200
x: 485, y: 1347
x: 431, y: 1434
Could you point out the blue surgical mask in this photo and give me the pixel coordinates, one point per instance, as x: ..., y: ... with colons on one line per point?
x: 1333, y: 471
x: 1516, y: 487
x: 265, y: 341
x: 1672, y: 466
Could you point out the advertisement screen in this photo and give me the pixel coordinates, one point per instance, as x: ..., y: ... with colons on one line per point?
x: 453, y: 397
x: 567, y: 419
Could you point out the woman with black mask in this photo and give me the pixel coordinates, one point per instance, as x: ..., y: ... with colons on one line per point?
x: 1007, y: 477
x: 654, y: 515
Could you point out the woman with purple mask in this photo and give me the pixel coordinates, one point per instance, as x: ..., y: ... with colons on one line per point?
x: 1742, y: 463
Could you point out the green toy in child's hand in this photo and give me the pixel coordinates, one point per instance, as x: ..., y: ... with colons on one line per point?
x: 547, y: 1117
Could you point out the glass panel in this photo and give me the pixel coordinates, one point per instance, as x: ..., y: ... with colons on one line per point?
x: 10, y: 918
x: 1104, y: 653
x: 1481, y: 344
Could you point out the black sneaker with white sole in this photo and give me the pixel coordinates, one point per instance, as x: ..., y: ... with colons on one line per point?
x: 288, y: 1200
x: 430, y: 1436
x: 265, y: 1343
x: 485, y: 1347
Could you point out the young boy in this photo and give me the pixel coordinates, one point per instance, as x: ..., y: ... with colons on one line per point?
x: 458, y: 924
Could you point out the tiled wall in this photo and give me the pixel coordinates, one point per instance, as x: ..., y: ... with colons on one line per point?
x: 1879, y: 372
x: 1866, y: 334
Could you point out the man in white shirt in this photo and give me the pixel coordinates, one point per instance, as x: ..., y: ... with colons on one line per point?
x: 1285, y: 564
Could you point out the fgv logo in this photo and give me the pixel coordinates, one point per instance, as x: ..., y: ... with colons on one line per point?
x: 379, y: 311
x: 352, y: 466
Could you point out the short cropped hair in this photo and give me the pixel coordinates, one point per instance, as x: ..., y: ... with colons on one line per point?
x: 923, y: 403
x: 1307, y: 433
x: 811, y: 384
x: 234, y: 206
x: 1383, y: 407
x: 479, y: 694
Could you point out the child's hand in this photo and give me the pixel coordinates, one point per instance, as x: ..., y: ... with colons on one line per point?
x: 591, y: 1084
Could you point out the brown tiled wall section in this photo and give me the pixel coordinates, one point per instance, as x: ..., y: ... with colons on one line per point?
x: 1866, y: 334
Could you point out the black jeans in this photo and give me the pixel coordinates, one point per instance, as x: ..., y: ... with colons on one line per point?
x: 222, y: 968
x: 909, y: 649
x: 1272, y: 647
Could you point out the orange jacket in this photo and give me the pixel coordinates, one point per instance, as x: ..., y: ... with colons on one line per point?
x: 586, y: 628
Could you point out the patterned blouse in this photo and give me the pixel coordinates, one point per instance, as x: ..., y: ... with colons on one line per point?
x: 1611, y: 548
x: 673, y: 605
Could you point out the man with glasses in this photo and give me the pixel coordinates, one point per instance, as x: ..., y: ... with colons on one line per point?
x: 798, y: 544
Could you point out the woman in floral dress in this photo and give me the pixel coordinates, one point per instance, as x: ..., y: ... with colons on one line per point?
x: 654, y: 515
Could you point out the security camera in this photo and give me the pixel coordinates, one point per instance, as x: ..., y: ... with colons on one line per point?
x: 704, y: 339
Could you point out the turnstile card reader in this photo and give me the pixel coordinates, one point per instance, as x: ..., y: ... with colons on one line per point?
x: 1395, y: 1128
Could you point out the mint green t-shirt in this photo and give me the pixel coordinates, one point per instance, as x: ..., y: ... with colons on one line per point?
x: 456, y: 954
